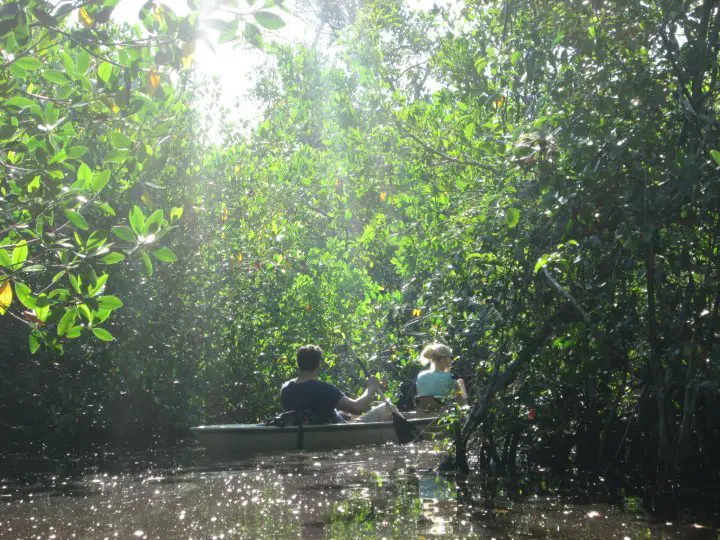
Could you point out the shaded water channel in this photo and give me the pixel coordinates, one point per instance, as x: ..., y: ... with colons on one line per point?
x: 374, y: 492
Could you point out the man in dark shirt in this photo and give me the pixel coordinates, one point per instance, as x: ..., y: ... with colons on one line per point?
x: 321, y: 399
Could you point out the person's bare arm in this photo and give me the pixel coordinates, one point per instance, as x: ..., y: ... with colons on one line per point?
x: 362, y: 402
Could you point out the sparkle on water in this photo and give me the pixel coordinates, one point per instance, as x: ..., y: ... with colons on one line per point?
x: 373, y: 492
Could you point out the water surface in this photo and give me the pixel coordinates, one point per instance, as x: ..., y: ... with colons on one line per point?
x: 374, y: 492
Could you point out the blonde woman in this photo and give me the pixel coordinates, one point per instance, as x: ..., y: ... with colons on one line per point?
x: 436, y: 383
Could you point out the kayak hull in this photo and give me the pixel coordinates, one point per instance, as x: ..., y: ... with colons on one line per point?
x: 229, y: 441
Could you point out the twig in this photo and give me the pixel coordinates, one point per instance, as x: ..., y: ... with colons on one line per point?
x: 565, y: 294
x: 467, y: 162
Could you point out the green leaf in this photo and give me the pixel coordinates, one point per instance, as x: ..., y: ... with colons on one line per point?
x: 5, y: 259
x: 109, y: 302
x: 541, y: 262
x: 24, y: 294
x: 19, y: 102
x: 162, y: 129
x: 100, y: 180
x: 107, y: 209
x: 105, y: 71
x: 269, y: 20
x: 102, y: 334
x: 147, y: 263
x: 156, y: 218
x: 99, y: 284
x: 512, y: 217
x: 54, y: 76
x: 68, y: 64
x: 253, y: 36
x: 113, y: 258
x: 18, y: 72
x: 116, y: 156
x: 28, y: 63
x: 76, y: 219
x: 19, y: 255
x: 120, y: 140
x: 67, y: 321
x: 75, y: 152
x: 137, y: 220
x: 74, y: 332
x: 715, y: 155
x: 76, y: 282
x: 165, y: 255
x: 124, y: 232
x: 469, y: 131
x: 84, y: 175
x: 82, y: 61
x: 176, y: 213
x: 34, y: 341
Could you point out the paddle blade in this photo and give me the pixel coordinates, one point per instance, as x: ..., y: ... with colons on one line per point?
x: 405, y: 431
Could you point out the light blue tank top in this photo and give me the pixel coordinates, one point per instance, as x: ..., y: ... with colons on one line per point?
x: 438, y: 384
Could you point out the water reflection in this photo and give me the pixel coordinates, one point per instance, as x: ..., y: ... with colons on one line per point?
x: 387, y: 491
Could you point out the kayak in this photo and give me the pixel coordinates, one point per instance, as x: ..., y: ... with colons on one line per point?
x: 229, y: 441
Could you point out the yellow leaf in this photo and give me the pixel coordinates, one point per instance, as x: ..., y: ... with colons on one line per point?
x: 85, y: 18
x: 6, y: 296
x: 416, y: 312
x: 239, y: 257
x: 189, y: 47
x: 224, y: 215
x: 145, y: 197
x: 383, y: 196
x: 499, y: 102
x: 187, y: 61
x: 237, y: 169
x: 153, y: 81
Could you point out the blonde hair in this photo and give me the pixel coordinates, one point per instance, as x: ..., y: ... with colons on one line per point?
x: 434, y: 352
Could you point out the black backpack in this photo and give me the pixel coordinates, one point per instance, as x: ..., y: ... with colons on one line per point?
x: 406, y: 395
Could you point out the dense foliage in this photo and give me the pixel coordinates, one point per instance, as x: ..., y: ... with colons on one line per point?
x: 534, y: 183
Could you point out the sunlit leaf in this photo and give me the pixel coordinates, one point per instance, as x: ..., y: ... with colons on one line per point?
x: 109, y: 303
x: 105, y: 71
x: 137, y: 220
x: 147, y: 263
x: 100, y: 180
x: 6, y: 296
x: 19, y: 255
x: 28, y: 63
x: 76, y: 219
x: 120, y: 140
x: 165, y: 254
x: 512, y: 217
x: 102, y: 334
x: 269, y: 20
x: 124, y: 233
x: 112, y: 258
x: 34, y: 341
x: 153, y: 82
x: 24, y: 295
x: 85, y: 19
x: 67, y: 321
x: 74, y: 332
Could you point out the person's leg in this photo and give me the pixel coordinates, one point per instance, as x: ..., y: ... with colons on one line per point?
x: 379, y: 413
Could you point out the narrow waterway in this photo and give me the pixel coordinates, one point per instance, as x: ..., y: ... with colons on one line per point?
x: 377, y: 492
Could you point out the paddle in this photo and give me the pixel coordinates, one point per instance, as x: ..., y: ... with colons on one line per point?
x: 404, y: 430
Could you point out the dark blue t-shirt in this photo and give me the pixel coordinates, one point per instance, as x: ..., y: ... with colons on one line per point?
x: 320, y: 398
